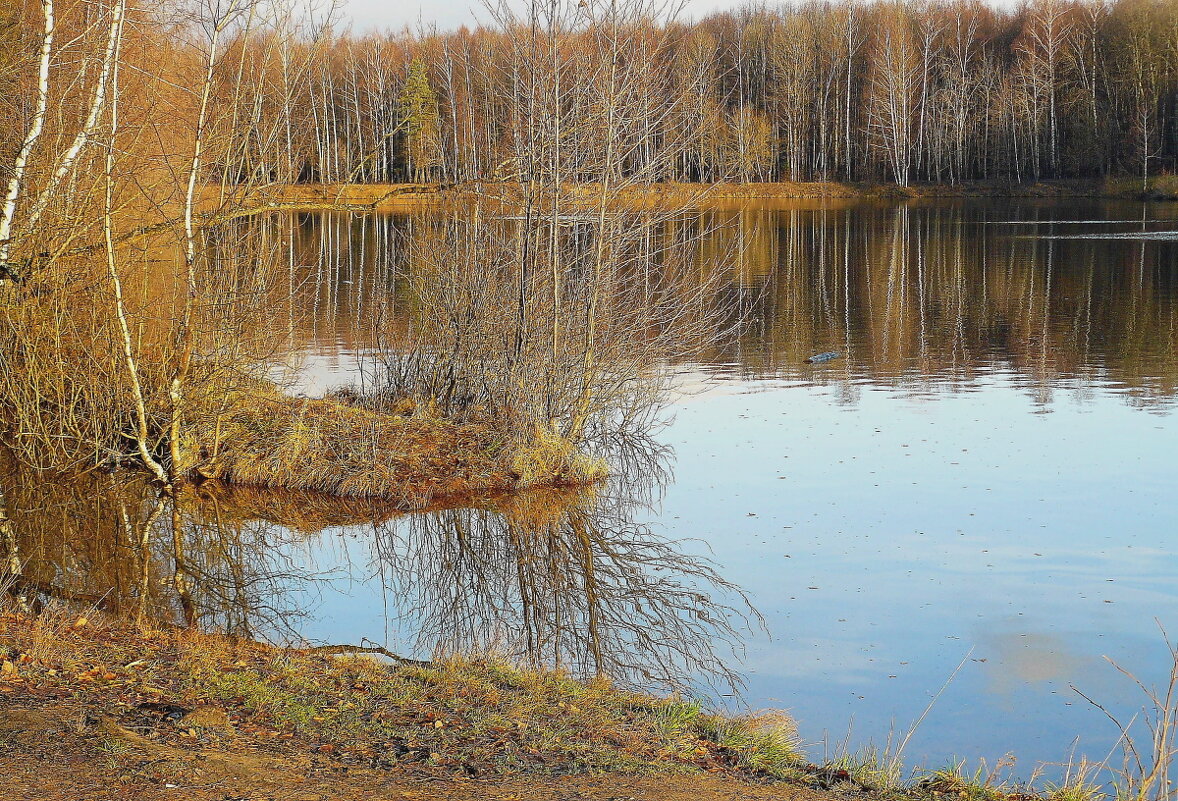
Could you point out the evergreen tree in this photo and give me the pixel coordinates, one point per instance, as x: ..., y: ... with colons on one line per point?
x: 420, y: 122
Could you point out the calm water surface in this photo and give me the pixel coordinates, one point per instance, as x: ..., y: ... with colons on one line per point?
x: 983, y: 480
x: 980, y: 487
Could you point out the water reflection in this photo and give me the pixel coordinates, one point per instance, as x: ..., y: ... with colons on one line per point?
x: 974, y: 471
x: 107, y: 540
x: 931, y: 296
x: 913, y: 296
x: 555, y: 578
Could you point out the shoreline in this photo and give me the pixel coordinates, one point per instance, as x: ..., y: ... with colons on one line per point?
x: 179, y: 714
x: 360, y: 197
x: 144, y: 710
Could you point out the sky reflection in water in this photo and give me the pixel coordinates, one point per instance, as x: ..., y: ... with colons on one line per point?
x: 986, y: 475
x: 889, y: 539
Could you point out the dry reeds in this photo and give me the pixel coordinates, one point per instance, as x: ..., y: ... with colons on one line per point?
x: 329, y: 446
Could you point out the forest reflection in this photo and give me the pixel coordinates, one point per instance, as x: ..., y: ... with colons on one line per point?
x: 923, y: 298
x: 550, y: 577
x: 933, y: 294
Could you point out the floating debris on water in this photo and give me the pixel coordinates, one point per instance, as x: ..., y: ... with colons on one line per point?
x: 822, y: 357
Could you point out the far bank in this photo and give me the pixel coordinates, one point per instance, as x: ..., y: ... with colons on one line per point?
x: 407, y: 196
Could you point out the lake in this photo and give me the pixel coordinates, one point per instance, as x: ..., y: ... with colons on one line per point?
x: 972, y: 502
x: 979, y: 488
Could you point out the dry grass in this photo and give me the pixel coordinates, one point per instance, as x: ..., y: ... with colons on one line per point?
x: 461, y: 716
x: 412, y: 196
x: 1161, y: 187
x: 266, y: 439
x: 335, y: 196
x: 549, y: 455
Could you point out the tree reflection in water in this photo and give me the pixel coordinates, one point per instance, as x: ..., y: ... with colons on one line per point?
x: 564, y: 578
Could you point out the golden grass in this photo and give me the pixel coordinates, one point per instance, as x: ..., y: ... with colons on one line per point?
x: 267, y: 439
x: 549, y: 456
x: 409, y: 196
x: 1161, y: 187
x: 342, y: 196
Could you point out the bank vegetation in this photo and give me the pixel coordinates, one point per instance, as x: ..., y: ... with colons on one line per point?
x: 138, y: 278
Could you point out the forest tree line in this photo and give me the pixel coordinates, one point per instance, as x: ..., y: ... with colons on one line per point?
x: 884, y: 91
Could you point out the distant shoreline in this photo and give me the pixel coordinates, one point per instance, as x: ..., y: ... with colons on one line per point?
x: 360, y: 196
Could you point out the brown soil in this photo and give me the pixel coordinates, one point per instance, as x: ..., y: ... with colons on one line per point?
x: 62, y: 750
x: 92, y: 710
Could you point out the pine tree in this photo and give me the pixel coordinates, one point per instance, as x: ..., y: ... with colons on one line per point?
x: 420, y: 122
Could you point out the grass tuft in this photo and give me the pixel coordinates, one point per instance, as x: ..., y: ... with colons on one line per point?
x: 1073, y: 790
x: 406, y: 454
x: 765, y: 743
x: 550, y: 458
x: 954, y: 781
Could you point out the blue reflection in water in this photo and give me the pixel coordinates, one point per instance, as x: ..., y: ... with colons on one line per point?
x: 986, y: 475
x: 889, y: 539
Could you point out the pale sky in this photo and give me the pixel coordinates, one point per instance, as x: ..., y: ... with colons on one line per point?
x: 366, y: 15
x: 370, y: 15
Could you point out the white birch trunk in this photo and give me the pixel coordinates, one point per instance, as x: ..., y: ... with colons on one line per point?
x: 16, y: 182
x: 65, y: 162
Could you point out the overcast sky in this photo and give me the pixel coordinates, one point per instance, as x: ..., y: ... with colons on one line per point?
x: 369, y: 15
x: 449, y: 14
